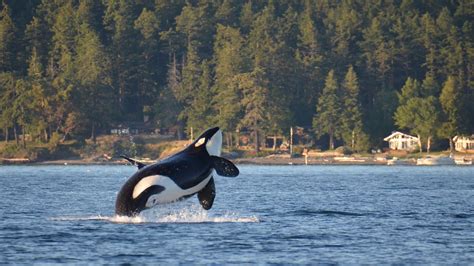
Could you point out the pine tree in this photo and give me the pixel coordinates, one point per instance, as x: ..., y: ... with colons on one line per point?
x: 351, y: 114
x: 226, y: 13
x: 149, y: 58
x: 449, y: 100
x: 246, y: 17
x: 327, y: 118
x: 42, y: 113
x: 200, y: 111
x: 93, y: 75
x: 119, y: 21
x: 7, y: 97
x: 255, y: 102
x: 309, y: 54
x: 229, y: 62
x: 168, y: 108
x: 189, y: 82
x: 8, y: 41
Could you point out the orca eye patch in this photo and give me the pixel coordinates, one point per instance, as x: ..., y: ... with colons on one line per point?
x: 200, y: 142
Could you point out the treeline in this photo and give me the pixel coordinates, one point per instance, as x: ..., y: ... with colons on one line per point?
x: 353, y: 71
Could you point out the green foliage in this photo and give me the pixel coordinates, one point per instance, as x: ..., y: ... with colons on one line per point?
x: 7, y: 40
x: 54, y: 142
x: 327, y: 119
x: 352, y: 128
x: 75, y: 68
x: 450, y: 103
x: 420, y: 115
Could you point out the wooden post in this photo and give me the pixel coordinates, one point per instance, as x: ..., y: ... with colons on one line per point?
x: 305, y: 153
x: 291, y: 142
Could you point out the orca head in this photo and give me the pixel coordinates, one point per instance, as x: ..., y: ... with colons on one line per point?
x: 211, y: 140
x: 137, y: 194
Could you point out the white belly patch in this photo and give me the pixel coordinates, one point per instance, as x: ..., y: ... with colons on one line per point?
x: 171, y: 193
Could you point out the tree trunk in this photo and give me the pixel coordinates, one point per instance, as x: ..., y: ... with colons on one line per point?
x: 274, y: 142
x: 45, y: 132
x: 331, y: 141
x: 257, y: 141
x: 93, y: 137
x: 228, y: 139
x: 451, y: 145
x: 16, y: 134
x: 419, y: 143
x: 6, y: 134
x: 24, y: 136
x: 237, y: 140
x: 428, y: 145
x: 353, y: 140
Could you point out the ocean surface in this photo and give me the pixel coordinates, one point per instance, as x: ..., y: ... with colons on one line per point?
x: 267, y: 215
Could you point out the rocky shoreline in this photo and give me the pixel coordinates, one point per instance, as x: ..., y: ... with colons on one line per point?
x: 269, y: 160
x: 252, y: 161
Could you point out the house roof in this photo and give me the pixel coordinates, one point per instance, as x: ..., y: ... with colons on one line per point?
x: 463, y: 137
x: 398, y: 133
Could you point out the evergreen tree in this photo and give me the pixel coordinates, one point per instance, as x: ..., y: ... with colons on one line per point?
x: 449, y: 100
x: 229, y: 62
x: 42, y: 113
x: 8, y: 40
x: 226, y: 13
x: 309, y: 54
x: 7, y: 97
x: 149, y: 59
x: 189, y: 83
x: 122, y: 37
x: 255, y: 102
x: 200, y: 110
x: 152, y: 54
x: 327, y: 119
x: 246, y: 17
x: 168, y: 108
x: 351, y: 114
x: 93, y: 74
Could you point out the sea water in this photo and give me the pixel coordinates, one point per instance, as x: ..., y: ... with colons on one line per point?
x: 267, y: 215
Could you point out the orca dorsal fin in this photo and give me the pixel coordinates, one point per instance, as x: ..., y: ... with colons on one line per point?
x: 224, y: 167
x: 134, y: 162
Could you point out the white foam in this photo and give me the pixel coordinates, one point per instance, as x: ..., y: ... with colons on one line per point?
x: 189, y: 214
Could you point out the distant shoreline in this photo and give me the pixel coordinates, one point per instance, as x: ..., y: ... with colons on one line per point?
x: 241, y: 161
x: 269, y: 160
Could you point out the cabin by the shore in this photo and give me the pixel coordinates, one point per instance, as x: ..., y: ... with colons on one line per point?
x: 464, y: 143
x: 401, y: 141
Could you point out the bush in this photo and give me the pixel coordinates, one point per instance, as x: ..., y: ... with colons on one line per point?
x: 16, y: 151
x: 54, y: 142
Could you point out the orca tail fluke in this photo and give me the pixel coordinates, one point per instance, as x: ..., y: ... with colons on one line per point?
x: 134, y: 162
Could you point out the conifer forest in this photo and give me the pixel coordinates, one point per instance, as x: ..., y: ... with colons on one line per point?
x: 349, y: 71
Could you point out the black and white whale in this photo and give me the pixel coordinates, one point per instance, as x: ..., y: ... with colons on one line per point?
x: 177, y: 177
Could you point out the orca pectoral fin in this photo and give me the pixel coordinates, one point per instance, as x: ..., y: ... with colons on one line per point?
x: 207, y: 194
x: 224, y: 167
x: 133, y: 162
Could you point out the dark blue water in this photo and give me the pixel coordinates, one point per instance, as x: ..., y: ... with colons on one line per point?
x: 269, y: 214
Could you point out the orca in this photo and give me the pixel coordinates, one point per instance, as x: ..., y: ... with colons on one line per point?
x: 180, y: 176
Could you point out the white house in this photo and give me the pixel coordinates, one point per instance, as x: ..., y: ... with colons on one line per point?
x: 463, y: 143
x: 401, y: 141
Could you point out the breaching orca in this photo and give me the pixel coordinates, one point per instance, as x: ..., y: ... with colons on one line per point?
x: 177, y: 177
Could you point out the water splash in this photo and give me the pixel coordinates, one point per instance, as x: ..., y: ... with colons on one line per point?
x: 187, y: 214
